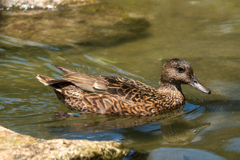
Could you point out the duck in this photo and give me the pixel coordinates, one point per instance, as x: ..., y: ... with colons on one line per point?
x: 115, y: 95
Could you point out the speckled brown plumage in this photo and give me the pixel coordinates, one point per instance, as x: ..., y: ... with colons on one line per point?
x: 121, y: 96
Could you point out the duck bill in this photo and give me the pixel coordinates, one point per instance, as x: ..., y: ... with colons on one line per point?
x: 196, y: 84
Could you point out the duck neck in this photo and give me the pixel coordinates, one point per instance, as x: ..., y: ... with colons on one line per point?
x: 172, y: 90
x: 170, y: 87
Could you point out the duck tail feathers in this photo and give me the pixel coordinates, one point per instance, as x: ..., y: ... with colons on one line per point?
x: 44, y: 79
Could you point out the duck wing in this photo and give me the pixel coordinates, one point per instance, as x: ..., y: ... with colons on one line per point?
x: 124, y: 88
x: 130, y: 89
x: 86, y: 82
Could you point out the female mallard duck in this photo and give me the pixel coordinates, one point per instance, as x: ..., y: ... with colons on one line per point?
x: 121, y: 96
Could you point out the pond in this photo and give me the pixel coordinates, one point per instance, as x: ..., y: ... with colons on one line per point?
x: 204, y: 33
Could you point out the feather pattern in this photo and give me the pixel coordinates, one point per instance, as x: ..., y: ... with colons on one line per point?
x: 122, y: 96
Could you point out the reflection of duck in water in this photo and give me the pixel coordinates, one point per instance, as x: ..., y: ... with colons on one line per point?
x: 180, y: 131
x: 121, y: 96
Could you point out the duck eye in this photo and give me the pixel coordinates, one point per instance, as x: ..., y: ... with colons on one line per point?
x: 180, y: 69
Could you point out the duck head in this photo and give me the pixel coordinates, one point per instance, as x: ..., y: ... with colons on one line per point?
x: 177, y: 72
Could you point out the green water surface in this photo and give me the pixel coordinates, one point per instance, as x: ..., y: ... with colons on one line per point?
x: 204, y: 33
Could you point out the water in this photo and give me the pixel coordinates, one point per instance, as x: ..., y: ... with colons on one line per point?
x: 205, y: 33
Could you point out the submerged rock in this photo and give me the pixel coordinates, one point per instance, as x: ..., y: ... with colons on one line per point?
x: 18, y: 146
x: 31, y: 4
x: 95, y: 24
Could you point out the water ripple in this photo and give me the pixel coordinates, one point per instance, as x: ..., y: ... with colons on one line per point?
x: 20, y: 43
x: 234, y: 145
x: 119, y: 70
